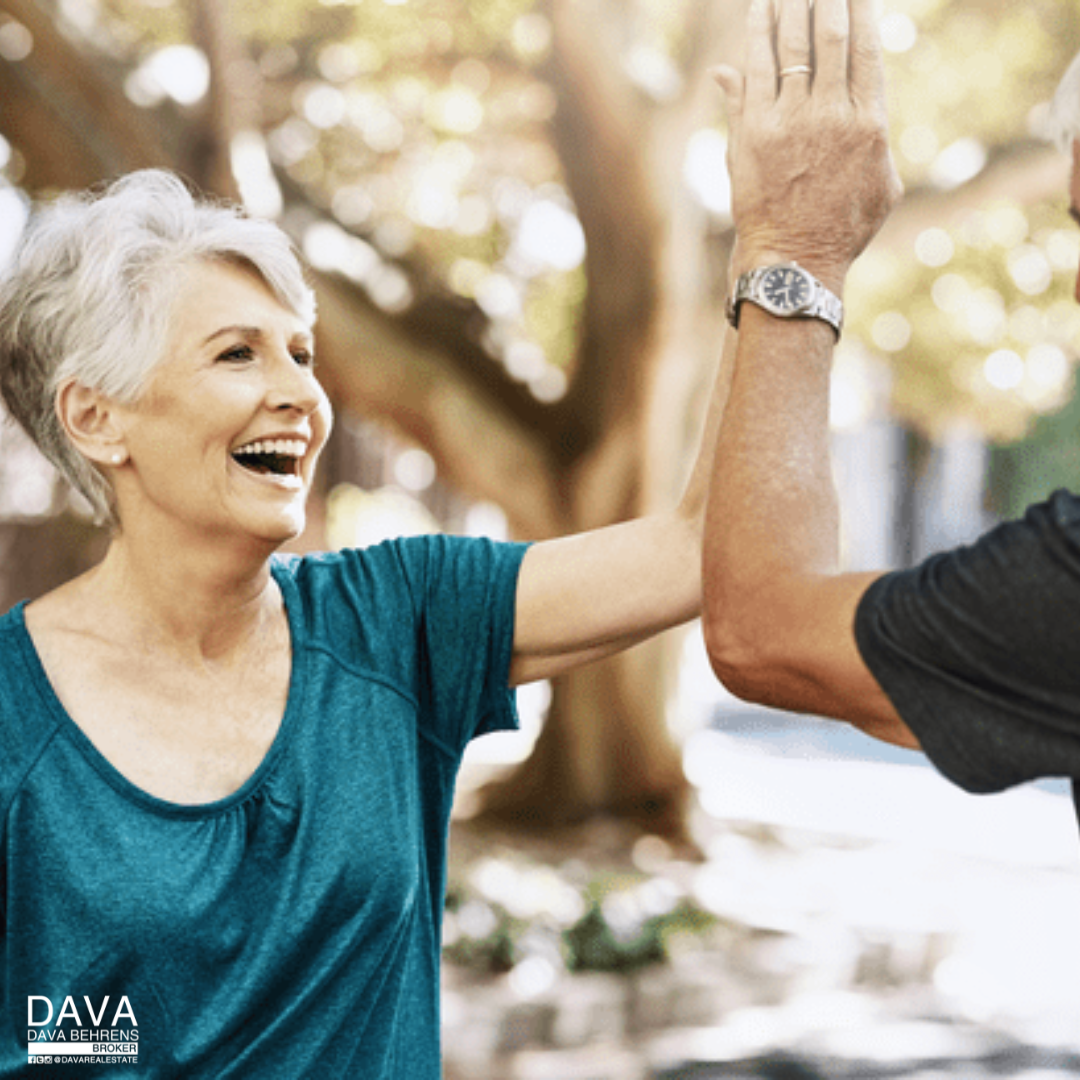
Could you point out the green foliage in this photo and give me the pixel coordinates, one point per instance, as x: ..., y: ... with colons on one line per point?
x: 1029, y: 471
x: 621, y: 922
x: 552, y: 314
x: 977, y: 321
x: 486, y: 937
x: 145, y: 23
x: 964, y: 335
x: 594, y: 944
x: 976, y: 69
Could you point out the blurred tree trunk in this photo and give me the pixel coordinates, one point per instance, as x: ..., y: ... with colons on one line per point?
x: 652, y: 302
x: 38, y: 556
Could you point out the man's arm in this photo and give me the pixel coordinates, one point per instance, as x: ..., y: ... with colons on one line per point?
x: 812, y: 181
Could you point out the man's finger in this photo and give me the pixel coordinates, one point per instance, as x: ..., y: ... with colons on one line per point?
x: 732, y: 83
x: 867, y: 64
x: 793, y: 48
x: 760, y: 90
x: 831, y: 48
x: 730, y: 80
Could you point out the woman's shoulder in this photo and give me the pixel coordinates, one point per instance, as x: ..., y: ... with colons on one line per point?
x: 53, y: 620
x: 374, y: 584
x: 406, y: 568
x: 26, y: 721
x: 58, y: 608
x: 390, y: 588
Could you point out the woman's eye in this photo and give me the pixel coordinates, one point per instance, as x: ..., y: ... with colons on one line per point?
x: 239, y: 354
x: 304, y: 357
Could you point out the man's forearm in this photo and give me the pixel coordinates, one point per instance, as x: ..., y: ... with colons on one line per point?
x: 772, y: 517
x: 778, y: 614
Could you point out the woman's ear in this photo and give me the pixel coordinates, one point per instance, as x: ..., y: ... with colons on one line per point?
x: 91, y: 420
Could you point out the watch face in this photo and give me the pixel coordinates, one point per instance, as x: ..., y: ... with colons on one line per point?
x: 785, y: 289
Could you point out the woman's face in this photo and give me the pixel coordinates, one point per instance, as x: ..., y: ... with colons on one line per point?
x: 226, y: 435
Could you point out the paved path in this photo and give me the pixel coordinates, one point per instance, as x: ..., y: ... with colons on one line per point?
x: 874, y: 922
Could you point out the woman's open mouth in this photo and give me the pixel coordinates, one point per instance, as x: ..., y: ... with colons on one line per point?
x: 272, y: 457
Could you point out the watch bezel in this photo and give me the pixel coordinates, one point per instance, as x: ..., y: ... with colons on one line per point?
x: 809, y: 289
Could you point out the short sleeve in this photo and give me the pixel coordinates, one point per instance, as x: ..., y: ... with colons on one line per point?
x: 465, y: 591
x: 431, y: 617
x: 979, y: 652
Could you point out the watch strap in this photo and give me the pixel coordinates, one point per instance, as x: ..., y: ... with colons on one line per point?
x: 823, y: 303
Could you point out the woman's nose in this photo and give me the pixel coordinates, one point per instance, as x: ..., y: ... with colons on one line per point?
x: 294, y: 386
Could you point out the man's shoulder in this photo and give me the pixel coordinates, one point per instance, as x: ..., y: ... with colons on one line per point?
x: 1042, y: 548
x: 1061, y: 511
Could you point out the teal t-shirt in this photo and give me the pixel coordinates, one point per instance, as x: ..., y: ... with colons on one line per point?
x: 292, y: 929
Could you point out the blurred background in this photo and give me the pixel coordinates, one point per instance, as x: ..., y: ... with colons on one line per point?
x: 516, y: 216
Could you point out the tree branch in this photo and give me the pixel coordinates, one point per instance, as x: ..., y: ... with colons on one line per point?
x: 598, y: 132
x: 380, y: 369
x: 1025, y: 172
x: 73, y: 126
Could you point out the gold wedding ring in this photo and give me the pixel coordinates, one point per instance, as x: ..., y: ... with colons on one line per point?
x: 796, y: 69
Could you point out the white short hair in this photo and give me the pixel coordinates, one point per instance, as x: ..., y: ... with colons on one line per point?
x: 90, y: 291
x: 1064, y: 120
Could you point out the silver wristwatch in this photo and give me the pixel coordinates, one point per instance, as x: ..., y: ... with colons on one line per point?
x: 789, y: 291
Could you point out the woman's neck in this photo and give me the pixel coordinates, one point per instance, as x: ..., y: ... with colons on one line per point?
x: 195, y: 602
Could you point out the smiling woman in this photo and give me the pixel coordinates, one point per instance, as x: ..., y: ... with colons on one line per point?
x: 92, y: 294
x: 235, y: 398
x: 257, y: 753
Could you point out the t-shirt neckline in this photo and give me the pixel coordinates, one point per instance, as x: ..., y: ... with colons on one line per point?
x: 130, y: 790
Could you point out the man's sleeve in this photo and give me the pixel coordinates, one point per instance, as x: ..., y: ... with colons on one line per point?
x: 979, y: 650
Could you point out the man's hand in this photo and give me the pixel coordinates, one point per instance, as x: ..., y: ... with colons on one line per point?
x: 812, y: 175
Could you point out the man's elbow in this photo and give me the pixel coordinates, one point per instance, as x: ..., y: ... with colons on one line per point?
x: 765, y: 649
x: 738, y: 657
x: 758, y: 662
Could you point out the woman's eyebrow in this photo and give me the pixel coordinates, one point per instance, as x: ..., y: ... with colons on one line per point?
x: 249, y: 332
x: 256, y: 333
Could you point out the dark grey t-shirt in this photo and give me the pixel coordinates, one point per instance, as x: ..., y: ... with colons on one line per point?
x: 979, y: 650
